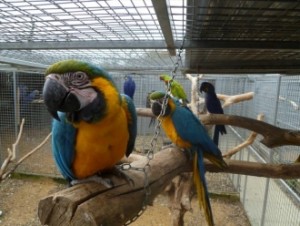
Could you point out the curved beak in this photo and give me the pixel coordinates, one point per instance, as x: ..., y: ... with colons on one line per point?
x: 202, y: 88
x: 58, y: 97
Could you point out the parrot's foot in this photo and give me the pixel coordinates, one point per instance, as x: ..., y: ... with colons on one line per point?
x: 95, y: 178
x: 120, y: 173
x: 170, y: 145
x: 189, y: 154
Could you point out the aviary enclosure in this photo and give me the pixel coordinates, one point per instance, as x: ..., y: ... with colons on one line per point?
x: 143, y: 39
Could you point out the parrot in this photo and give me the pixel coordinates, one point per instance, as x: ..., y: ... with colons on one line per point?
x: 94, y: 125
x: 26, y: 98
x: 176, y: 88
x: 129, y: 86
x: 186, y: 131
x: 213, y: 106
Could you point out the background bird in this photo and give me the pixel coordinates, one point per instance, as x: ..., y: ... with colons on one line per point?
x: 186, y: 131
x: 176, y: 88
x: 95, y: 126
x: 129, y: 86
x: 213, y: 106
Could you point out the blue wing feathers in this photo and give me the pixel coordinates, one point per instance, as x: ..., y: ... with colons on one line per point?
x: 63, y: 142
x: 132, y: 124
x: 190, y: 129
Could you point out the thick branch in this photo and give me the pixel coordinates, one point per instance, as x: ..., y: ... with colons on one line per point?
x: 283, y: 171
x: 273, y: 136
x: 93, y: 204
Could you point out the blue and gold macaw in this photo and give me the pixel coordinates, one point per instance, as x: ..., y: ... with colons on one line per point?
x: 213, y: 106
x: 176, y: 89
x: 129, y: 86
x: 187, y: 132
x: 95, y: 125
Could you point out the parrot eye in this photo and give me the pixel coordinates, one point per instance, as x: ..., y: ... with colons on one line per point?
x: 78, y: 79
x: 79, y: 75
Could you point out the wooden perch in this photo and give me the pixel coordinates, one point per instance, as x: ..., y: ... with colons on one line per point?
x: 229, y: 100
x: 93, y: 204
x: 195, y: 98
x: 246, y: 143
x: 273, y: 136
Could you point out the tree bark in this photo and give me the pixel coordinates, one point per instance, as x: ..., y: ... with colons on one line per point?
x: 273, y: 136
x: 93, y: 204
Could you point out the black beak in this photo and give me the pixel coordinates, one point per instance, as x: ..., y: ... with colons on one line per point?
x: 156, y: 108
x: 201, y: 88
x: 58, y: 98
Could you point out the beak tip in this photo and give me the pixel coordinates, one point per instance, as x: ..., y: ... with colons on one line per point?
x: 54, y: 114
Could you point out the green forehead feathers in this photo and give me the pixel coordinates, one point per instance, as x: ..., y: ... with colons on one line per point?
x: 157, y: 95
x: 66, y: 66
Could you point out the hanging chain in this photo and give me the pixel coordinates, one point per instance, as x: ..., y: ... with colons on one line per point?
x: 153, y: 143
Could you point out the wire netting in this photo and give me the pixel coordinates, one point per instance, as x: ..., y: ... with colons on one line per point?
x: 266, y: 201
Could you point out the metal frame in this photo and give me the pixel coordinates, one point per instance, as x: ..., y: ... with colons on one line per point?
x: 220, y: 35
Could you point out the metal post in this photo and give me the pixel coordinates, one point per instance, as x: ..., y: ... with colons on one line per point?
x: 262, y: 222
x: 16, y: 113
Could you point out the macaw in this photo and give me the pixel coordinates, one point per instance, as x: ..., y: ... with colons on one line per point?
x: 26, y: 98
x: 95, y: 125
x: 186, y: 131
x: 129, y: 86
x: 213, y: 106
x: 177, y: 90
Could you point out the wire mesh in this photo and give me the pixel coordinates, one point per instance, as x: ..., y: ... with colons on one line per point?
x: 266, y: 201
x: 276, y: 96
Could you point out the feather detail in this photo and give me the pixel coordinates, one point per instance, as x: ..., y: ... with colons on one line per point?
x: 200, y: 183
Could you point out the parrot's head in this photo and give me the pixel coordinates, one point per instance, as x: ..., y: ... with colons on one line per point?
x: 157, y: 100
x: 166, y: 78
x: 69, y: 87
x: 128, y: 78
x: 207, y: 87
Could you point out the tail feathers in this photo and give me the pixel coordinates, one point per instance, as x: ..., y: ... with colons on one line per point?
x: 152, y: 121
x: 216, y: 136
x: 200, y: 183
x: 217, y: 161
x: 219, y: 129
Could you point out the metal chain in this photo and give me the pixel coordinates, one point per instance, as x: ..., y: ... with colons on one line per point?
x: 153, y: 143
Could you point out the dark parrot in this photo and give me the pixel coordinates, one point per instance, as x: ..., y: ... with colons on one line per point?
x: 129, y: 86
x: 213, y: 106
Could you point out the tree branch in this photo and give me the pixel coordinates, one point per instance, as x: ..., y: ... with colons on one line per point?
x: 6, y: 174
x: 11, y: 153
x: 229, y: 100
x: 79, y: 205
x: 273, y: 136
x: 246, y: 143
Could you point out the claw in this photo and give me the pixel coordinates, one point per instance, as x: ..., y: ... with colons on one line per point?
x: 120, y: 173
x: 96, y: 178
